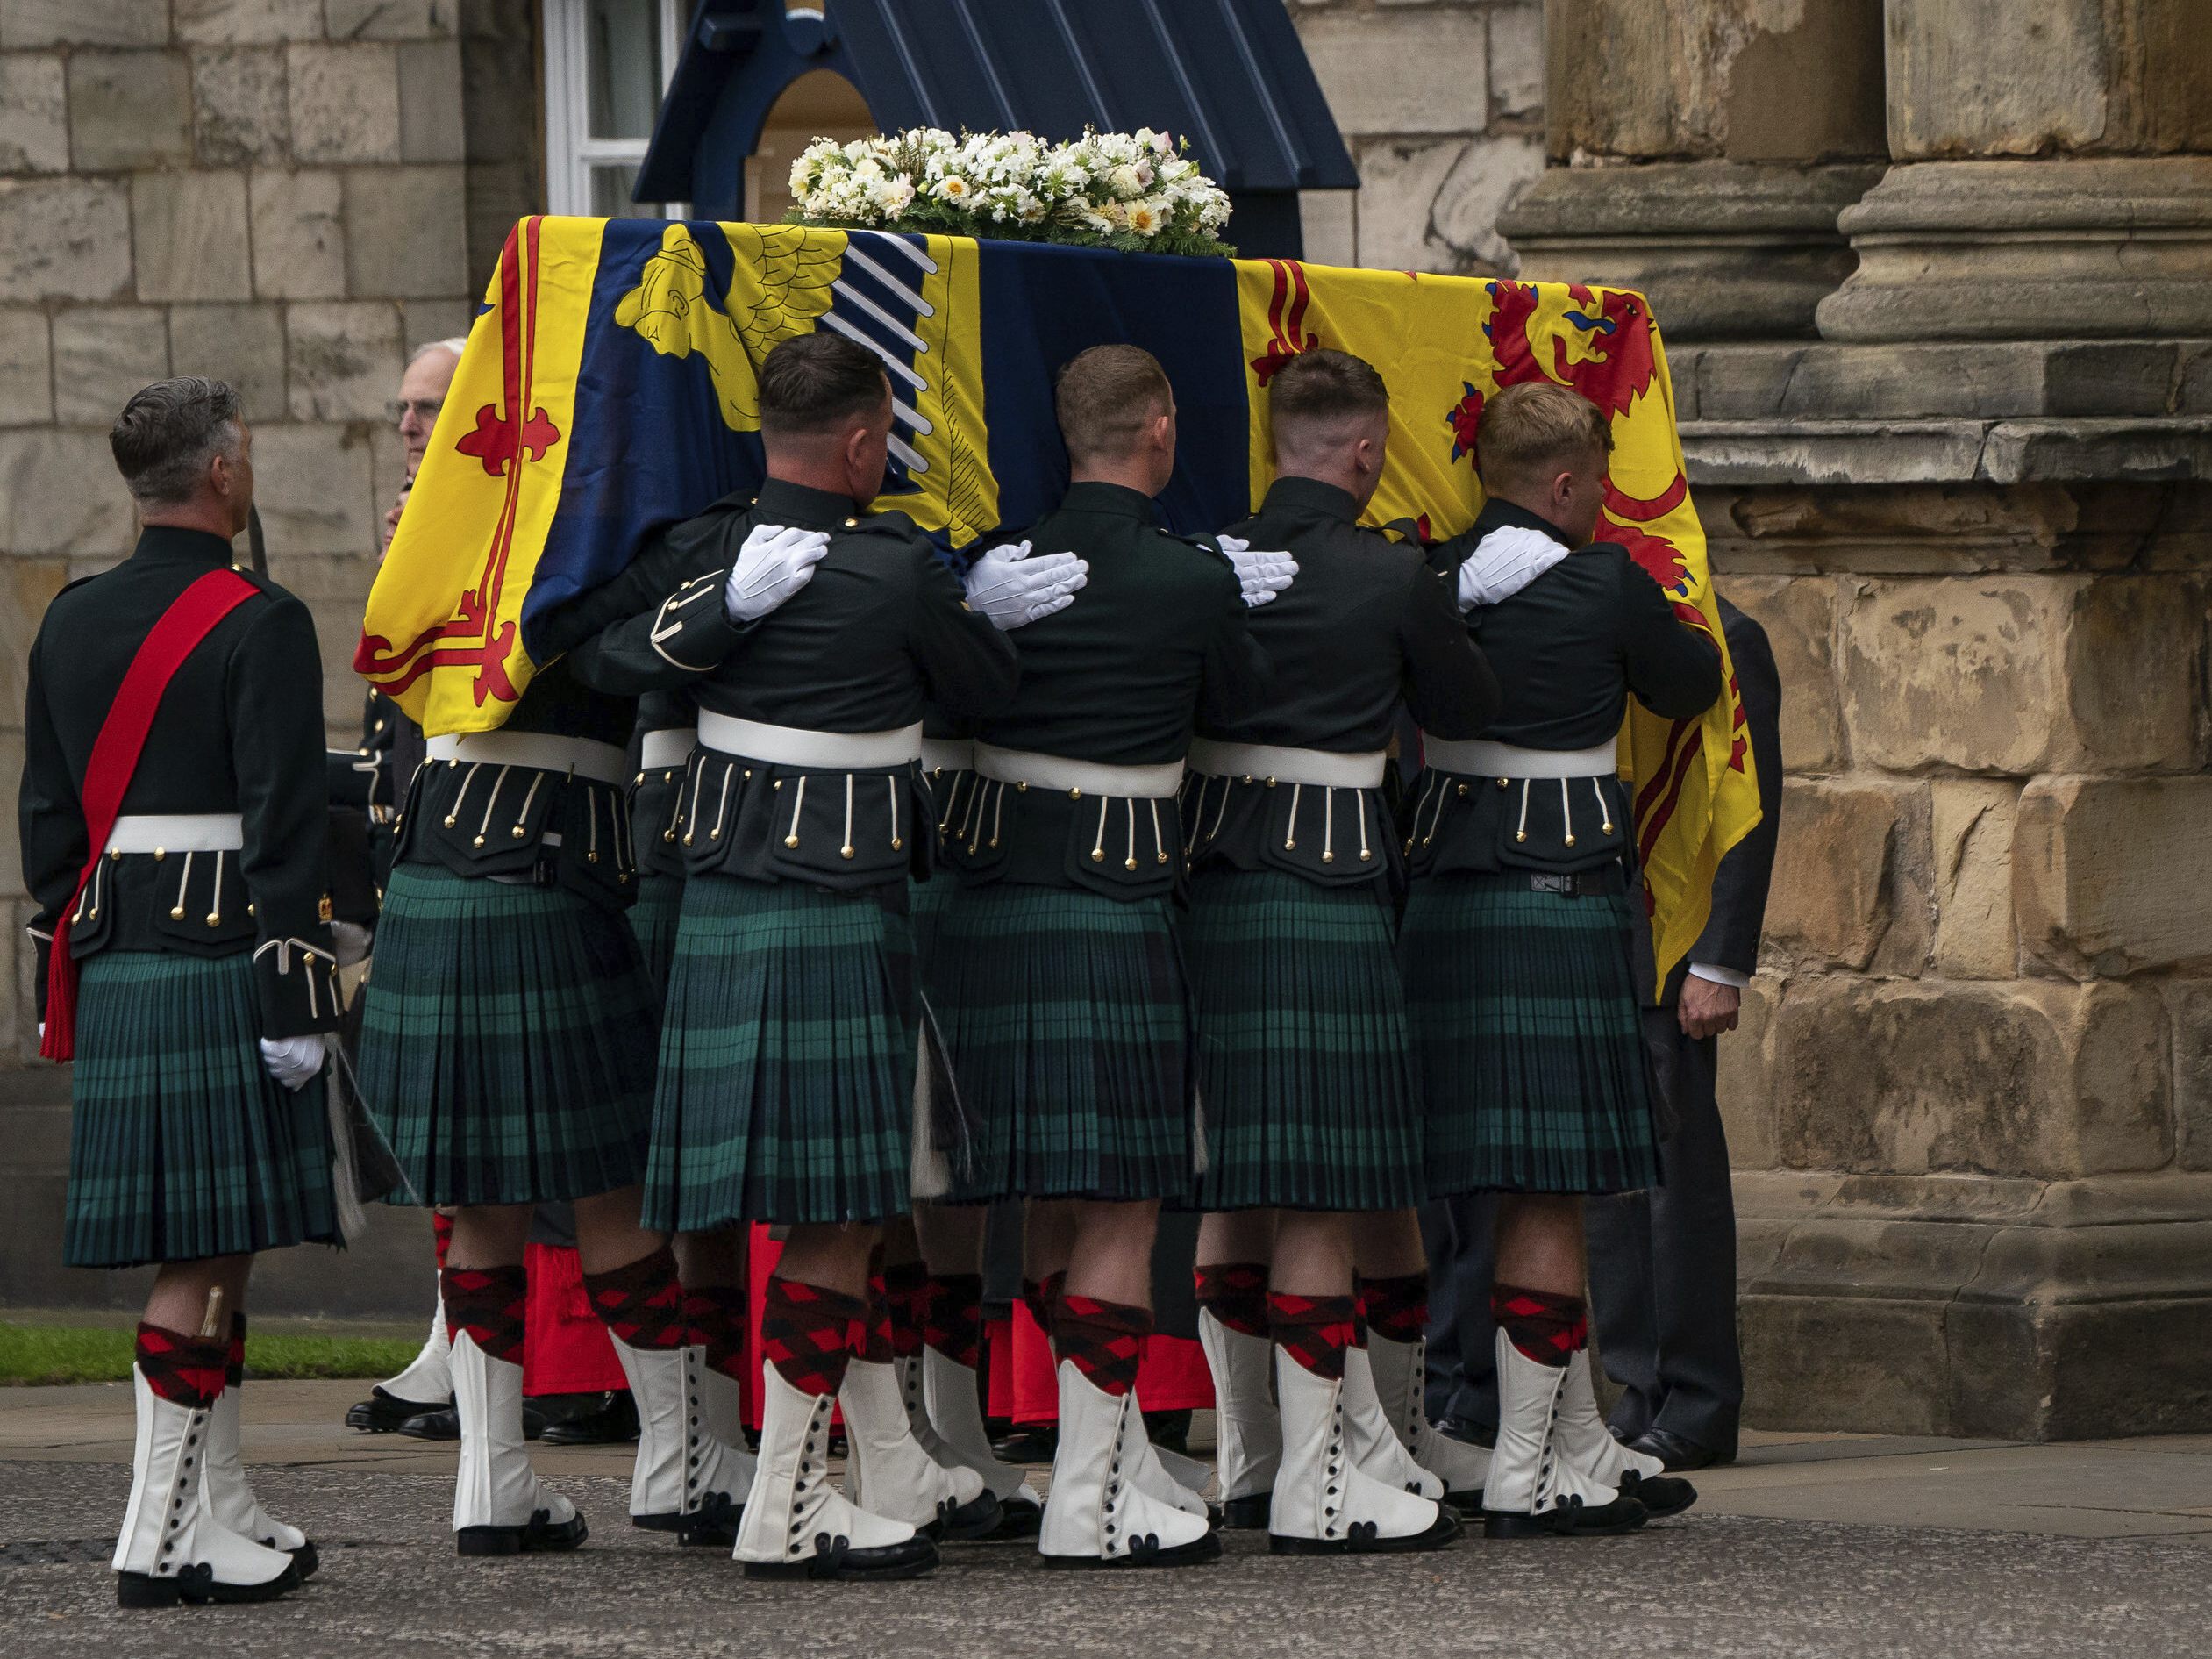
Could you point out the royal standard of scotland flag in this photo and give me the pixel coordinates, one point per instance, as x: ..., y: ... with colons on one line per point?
x: 610, y: 388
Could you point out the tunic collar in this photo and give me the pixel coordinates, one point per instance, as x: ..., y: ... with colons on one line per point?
x: 802, y: 506
x: 1311, y: 498
x: 1497, y: 514
x: 1118, y: 499
x: 189, y: 546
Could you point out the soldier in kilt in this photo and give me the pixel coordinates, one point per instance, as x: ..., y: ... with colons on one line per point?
x: 509, y: 1046
x: 1067, y: 1010
x: 1516, y: 937
x: 173, y: 816
x: 1304, y: 1058
x: 790, y: 1080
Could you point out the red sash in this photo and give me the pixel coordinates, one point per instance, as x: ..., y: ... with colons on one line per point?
x: 191, y: 617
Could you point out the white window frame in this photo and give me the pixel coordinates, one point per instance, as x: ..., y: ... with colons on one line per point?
x: 570, y: 152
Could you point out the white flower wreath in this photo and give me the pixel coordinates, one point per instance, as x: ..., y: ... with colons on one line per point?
x: 1134, y: 191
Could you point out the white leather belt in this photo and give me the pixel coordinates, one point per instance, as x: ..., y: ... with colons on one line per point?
x: 948, y: 754
x: 669, y: 747
x: 602, y: 763
x: 796, y: 745
x: 1091, y: 777
x: 177, y: 833
x: 1319, y: 768
x: 1479, y: 758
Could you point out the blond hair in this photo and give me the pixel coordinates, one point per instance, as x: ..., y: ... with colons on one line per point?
x: 1530, y: 433
x: 1105, y: 397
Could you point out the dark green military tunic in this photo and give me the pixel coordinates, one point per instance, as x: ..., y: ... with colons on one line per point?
x: 182, y: 1146
x: 1066, y: 1010
x: 1516, y: 937
x: 1305, y: 1059
x: 789, y: 1048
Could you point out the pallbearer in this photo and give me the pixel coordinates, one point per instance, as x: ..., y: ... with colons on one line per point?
x: 788, y: 1056
x: 1305, y: 1064
x: 173, y: 812
x: 1516, y: 937
x: 1065, y: 1009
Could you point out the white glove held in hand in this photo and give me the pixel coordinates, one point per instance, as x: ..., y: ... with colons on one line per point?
x: 1012, y: 589
x: 773, y: 564
x: 1263, y: 575
x: 294, y: 1061
x: 352, y: 942
x: 1505, y: 562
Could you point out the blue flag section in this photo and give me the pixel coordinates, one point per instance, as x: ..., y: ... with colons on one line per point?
x: 1044, y: 305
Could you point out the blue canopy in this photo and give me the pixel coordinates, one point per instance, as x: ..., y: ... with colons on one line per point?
x: 1230, y: 75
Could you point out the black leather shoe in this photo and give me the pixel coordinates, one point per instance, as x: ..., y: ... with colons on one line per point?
x: 445, y: 1423
x: 589, y: 1420
x: 1679, y: 1455
x: 1661, y: 1495
x: 1467, y: 1431
x: 1573, y: 1520
x: 1171, y: 1430
x: 382, y: 1413
x: 1035, y: 1444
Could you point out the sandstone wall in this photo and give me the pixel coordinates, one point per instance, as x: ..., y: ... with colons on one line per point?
x: 289, y: 195
x: 1441, y: 104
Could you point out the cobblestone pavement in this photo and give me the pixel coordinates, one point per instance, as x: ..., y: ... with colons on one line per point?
x: 1721, y: 1586
x: 1858, y: 1546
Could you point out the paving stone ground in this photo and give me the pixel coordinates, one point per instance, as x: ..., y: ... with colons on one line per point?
x: 1859, y: 1545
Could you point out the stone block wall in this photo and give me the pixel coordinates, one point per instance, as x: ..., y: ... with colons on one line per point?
x: 1441, y: 103
x: 1967, y: 1108
x: 289, y: 195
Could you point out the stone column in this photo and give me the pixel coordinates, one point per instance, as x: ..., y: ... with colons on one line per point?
x: 2050, y: 180
x: 1971, y: 1106
x: 1701, y: 151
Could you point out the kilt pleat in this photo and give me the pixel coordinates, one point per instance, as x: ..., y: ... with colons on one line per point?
x: 1067, y: 1020
x: 925, y: 905
x: 507, y: 1041
x: 653, y: 920
x: 786, y: 1085
x: 180, y: 1146
x: 1305, y: 1064
x: 1526, y: 1029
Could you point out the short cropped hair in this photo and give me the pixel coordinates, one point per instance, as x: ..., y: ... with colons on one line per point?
x: 1530, y: 433
x: 1323, y: 388
x: 167, y: 434
x: 817, y: 383
x: 1106, y: 397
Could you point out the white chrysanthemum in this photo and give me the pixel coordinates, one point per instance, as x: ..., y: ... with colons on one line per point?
x: 953, y: 188
x: 1147, y: 217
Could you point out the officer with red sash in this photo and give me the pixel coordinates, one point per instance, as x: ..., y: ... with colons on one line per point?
x: 173, y: 812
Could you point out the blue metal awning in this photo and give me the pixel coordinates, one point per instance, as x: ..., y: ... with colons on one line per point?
x: 1230, y: 75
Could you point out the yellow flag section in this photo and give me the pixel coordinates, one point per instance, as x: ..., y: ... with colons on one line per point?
x: 530, y: 493
x: 1444, y: 345
x: 442, y: 634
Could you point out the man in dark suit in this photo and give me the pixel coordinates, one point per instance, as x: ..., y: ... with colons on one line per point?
x: 1663, y: 1262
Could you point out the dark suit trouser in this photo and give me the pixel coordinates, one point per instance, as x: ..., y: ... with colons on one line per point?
x: 1663, y: 1274
x: 1462, y: 1381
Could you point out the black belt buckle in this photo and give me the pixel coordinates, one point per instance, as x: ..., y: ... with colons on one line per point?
x: 1570, y: 886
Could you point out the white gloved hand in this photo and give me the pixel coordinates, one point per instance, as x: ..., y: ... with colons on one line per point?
x: 352, y: 941
x: 773, y: 564
x: 1012, y: 589
x: 1262, y: 574
x: 1505, y: 562
x: 294, y: 1061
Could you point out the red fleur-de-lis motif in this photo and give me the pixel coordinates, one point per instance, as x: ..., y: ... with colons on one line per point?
x: 495, y: 441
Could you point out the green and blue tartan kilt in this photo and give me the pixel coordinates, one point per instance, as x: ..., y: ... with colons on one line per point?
x: 507, y: 1041
x: 1067, y: 1018
x: 1305, y: 1059
x: 180, y: 1145
x: 1526, y: 1028
x: 653, y: 919
x: 927, y: 903
x: 787, y: 1055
